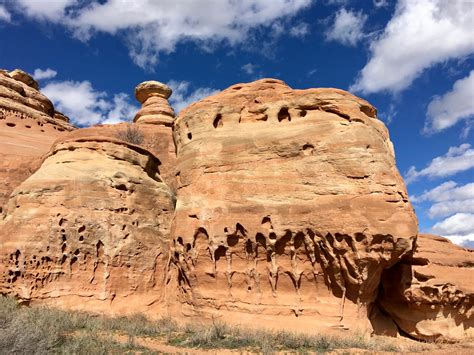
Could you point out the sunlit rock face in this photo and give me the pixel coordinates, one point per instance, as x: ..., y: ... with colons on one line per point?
x: 90, y: 228
x: 260, y: 203
x: 28, y: 127
x: 289, y: 203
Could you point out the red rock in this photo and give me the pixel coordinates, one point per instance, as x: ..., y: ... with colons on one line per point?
x: 28, y: 128
x: 430, y: 295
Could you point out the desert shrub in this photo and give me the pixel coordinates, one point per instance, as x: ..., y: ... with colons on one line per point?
x: 132, y: 134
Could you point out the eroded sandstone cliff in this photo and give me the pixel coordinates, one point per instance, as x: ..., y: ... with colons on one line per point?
x: 259, y: 202
x: 28, y: 127
x: 289, y: 203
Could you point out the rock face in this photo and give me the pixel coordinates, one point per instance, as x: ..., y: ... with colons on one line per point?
x: 289, y: 203
x: 91, y: 227
x: 28, y: 127
x: 430, y: 295
x: 260, y: 202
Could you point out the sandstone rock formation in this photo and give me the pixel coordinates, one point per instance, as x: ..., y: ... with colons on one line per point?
x: 155, y: 119
x: 91, y: 227
x: 153, y: 96
x: 28, y: 127
x: 430, y: 295
x: 289, y: 203
x: 260, y: 202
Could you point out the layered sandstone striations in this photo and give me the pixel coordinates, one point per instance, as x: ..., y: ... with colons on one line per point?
x: 28, y: 127
x: 91, y: 227
x: 155, y: 120
x: 289, y: 203
x: 430, y: 295
x: 260, y: 201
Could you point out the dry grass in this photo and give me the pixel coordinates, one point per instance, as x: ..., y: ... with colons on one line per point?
x: 39, y: 330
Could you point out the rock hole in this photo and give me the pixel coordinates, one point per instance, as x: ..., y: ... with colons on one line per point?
x: 248, y: 247
x: 219, y: 253
x: 260, y: 239
x: 9, y: 124
x: 308, y: 149
x: 81, y: 238
x: 81, y: 229
x: 121, y: 187
x: 193, y: 216
x: 73, y: 260
x: 240, y: 230
x: 63, y: 247
x: 284, y: 114
x: 76, y: 252
x: 232, y: 240
x: 180, y: 240
x: 63, y: 259
x: 217, y: 121
x: 190, y: 135
x: 99, y: 249
x: 281, y: 243
x: 302, y: 113
x: 27, y: 126
x: 188, y: 247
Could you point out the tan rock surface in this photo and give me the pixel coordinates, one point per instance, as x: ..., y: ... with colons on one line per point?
x: 28, y: 128
x: 431, y: 295
x: 153, y: 96
x: 289, y: 203
x: 88, y: 230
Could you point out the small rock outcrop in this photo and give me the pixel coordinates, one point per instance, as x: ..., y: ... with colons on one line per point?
x: 430, y: 294
x: 28, y: 127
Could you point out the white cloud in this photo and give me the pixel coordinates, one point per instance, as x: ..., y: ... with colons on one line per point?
x: 299, y: 30
x: 53, y: 10
x: 85, y: 106
x: 380, y: 3
x: 121, y: 109
x: 454, y: 106
x: 4, y: 14
x: 420, y: 34
x: 463, y: 240
x: 151, y: 27
x: 183, y: 96
x: 449, y: 199
x: 347, y: 27
x: 249, y: 68
x: 40, y: 74
x: 459, y: 224
x: 457, y: 159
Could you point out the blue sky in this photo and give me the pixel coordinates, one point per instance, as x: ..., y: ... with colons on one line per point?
x: 412, y: 59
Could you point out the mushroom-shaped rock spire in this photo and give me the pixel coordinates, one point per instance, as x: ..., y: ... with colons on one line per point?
x: 156, y: 109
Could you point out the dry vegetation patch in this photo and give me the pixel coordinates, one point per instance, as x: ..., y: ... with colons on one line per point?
x: 40, y: 330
